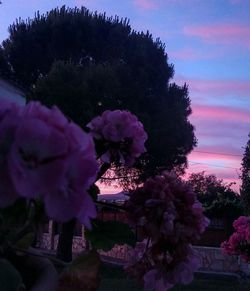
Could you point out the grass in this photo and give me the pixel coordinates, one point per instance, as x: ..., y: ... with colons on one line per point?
x: 114, y: 279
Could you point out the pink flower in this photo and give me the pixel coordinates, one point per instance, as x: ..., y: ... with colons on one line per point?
x: 37, y: 158
x: 239, y: 241
x: 121, y: 133
x: 43, y: 154
x: 172, y: 220
x: 52, y: 117
x: 65, y: 164
x: 70, y: 199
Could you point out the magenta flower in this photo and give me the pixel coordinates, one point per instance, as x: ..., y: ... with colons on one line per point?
x: 65, y: 157
x: 43, y: 154
x: 70, y: 199
x: 171, y: 219
x: 239, y: 241
x: 121, y: 133
x: 37, y: 158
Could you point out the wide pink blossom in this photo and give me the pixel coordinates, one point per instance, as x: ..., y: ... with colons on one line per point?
x: 71, y: 165
x: 45, y: 155
x: 239, y: 241
x: 70, y: 199
x: 122, y: 136
x: 170, y: 218
x: 37, y: 158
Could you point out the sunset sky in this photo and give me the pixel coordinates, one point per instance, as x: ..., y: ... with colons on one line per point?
x: 208, y: 41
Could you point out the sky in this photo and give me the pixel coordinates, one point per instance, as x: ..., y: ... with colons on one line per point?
x: 208, y: 41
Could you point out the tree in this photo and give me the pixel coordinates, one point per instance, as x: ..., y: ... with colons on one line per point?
x: 86, y: 63
x: 217, y: 197
x: 104, y: 64
x: 4, y: 68
x: 245, y: 177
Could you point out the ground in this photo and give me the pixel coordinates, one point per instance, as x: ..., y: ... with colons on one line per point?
x: 114, y: 279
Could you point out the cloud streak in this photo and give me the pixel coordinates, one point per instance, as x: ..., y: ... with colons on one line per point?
x: 222, y: 113
x: 218, y: 87
x: 191, y: 54
x: 146, y: 4
x: 224, y: 33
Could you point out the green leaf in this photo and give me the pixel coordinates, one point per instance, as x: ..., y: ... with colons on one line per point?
x: 106, y: 234
x: 25, y: 242
x: 82, y: 274
x: 10, y: 279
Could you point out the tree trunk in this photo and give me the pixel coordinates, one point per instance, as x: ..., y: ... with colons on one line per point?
x: 64, y: 248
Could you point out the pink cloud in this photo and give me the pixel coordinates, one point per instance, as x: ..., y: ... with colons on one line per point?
x: 226, y: 34
x: 233, y: 2
x: 108, y: 189
x: 227, y: 175
x: 230, y: 149
x: 84, y: 2
x: 219, y: 87
x: 220, y: 112
x: 154, y: 4
x: 210, y: 157
x: 224, y: 167
x: 146, y: 4
x: 190, y: 54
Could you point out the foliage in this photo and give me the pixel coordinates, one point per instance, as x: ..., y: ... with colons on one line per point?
x: 104, y: 65
x: 10, y: 279
x: 245, y: 177
x: 106, y: 234
x: 218, y: 198
x: 4, y: 68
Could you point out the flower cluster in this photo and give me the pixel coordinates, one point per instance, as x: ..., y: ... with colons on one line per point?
x: 121, y: 135
x: 43, y: 154
x: 170, y: 218
x: 239, y: 241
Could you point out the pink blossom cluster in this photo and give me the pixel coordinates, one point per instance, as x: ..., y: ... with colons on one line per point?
x: 239, y: 241
x: 170, y: 218
x: 44, y: 155
x: 121, y: 134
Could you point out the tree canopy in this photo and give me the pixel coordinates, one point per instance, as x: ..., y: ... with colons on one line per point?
x: 86, y: 63
x: 245, y: 177
x: 217, y: 197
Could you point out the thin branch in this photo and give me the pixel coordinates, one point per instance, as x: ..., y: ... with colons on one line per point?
x: 103, y: 170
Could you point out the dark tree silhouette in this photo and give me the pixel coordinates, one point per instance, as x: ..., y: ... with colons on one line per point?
x: 245, y: 177
x: 86, y: 63
x: 106, y: 66
x: 217, y: 197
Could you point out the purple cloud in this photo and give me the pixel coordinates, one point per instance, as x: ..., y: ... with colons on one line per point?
x: 191, y: 54
x: 218, y: 87
x: 224, y: 34
x: 146, y: 4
